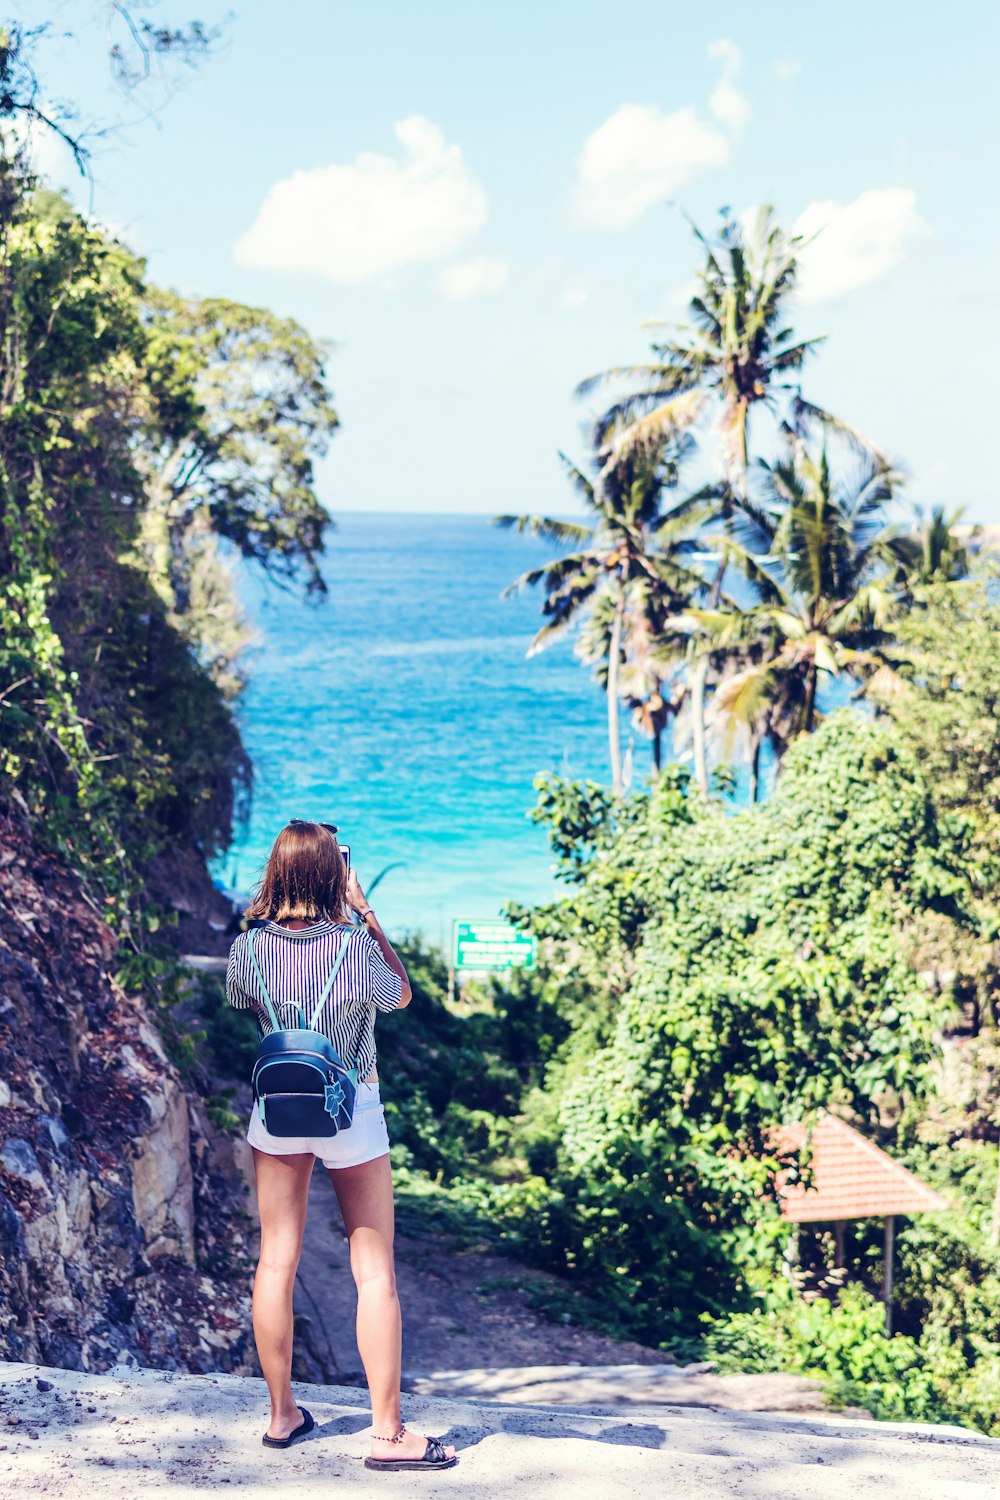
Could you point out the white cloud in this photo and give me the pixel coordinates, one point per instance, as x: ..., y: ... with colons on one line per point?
x: 640, y: 156
x: 473, y: 278
x: 854, y: 243
x: 357, y: 222
x: 787, y: 67
x: 728, y: 103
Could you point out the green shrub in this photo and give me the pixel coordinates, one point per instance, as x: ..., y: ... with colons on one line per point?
x: 843, y: 1342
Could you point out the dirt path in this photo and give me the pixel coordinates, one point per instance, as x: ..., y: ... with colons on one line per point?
x: 464, y: 1306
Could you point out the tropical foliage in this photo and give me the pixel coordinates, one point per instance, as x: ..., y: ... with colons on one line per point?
x: 630, y: 573
x: 137, y: 434
x: 706, y: 973
x: 738, y: 354
x: 821, y: 570
x: 834, y: 948
x: 824, y: 563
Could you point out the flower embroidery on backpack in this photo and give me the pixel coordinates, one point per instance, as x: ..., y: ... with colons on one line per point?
x: 335, y: 1097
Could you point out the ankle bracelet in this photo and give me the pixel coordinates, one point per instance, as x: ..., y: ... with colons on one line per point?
x: 396, y: 1438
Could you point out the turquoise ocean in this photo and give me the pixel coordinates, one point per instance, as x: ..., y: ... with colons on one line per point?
x: 402, y: 707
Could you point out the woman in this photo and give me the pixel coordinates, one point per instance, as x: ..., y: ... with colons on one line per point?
x: 301, y: 906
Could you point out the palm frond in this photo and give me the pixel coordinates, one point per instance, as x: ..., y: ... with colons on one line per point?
x: 627, y: 437
x: 552, y: 574
x: 824, y: 655
x: 793, y: 356
x: 758, y: 569
x: 807, y: 416
x: 650, y: 377
x: 741, y: 700
x: 725, y: 629
x: 751, y: 524
x: 547, y: 527
x: 578, y: 479
x: 872, y: 607
x: 549, y: 633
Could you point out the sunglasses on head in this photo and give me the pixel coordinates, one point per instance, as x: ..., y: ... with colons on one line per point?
x: 308, y: 823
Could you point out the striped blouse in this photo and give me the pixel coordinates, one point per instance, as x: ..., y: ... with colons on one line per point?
x: 296, y: 965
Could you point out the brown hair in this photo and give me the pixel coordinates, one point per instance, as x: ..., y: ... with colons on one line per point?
x: 305, y: 877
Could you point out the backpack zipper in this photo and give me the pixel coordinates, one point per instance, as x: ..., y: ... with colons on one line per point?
x: 299, y: 1052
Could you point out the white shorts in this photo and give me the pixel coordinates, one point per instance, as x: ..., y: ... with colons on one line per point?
x: 364, y: 1140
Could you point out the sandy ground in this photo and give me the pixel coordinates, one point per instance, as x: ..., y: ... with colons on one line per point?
x: 70, y: 1436
x: 592, y: 1386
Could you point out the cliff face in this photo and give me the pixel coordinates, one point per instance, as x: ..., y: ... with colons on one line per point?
x: 122, y: 1216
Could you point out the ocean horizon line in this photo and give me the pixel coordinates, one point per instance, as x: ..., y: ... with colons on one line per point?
x: 484, y: 515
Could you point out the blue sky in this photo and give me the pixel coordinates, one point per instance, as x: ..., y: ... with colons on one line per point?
x: 470, y: 202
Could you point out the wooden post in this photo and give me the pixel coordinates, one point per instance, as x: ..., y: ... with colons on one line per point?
x: 890, y: 1244
x: 792, y: 1253
x: 838, y: 1240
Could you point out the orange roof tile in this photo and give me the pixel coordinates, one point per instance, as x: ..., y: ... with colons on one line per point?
x: 851, y: 1178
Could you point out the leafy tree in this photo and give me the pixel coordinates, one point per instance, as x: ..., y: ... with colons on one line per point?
x: 946, y: 710
x: 756, y: 968
x: 945, y: 705
x: 109, y: 657
x: 242, y: 407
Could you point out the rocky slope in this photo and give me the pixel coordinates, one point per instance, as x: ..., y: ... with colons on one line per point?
x: 121, y: 1211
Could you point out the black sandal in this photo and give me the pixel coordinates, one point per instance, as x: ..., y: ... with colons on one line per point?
x: 304, y: 1428
x: 434, y: 1456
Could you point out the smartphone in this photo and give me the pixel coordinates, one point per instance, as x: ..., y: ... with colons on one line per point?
x: 345, y: 850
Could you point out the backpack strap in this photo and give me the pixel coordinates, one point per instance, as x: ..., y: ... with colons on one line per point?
x: 342, y: 954
x: 272, y: 1014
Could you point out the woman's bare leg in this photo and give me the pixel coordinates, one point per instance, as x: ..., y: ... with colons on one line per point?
x: 365, y: 1197
x: 282, y: 1200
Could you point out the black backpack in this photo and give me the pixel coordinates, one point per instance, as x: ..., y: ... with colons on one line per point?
x: 301, y: 1084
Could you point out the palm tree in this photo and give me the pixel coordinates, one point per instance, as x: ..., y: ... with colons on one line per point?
x: 738, y: 354
x: 653, y: 641
x: 941, y: 547
x: 628, y: 571
x: 826, y: 568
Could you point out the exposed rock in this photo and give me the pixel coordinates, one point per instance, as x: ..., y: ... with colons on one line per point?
x: 162, y: 1183
x: 116, y: 1193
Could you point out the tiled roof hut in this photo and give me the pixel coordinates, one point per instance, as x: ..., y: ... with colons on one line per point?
x: 851, y: 1178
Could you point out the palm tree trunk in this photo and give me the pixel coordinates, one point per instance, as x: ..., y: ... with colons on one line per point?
x: 755, y: 742
x: 699, y: 677
x: 657, y: 750
x: 810, y: 710
x: 614, y: 737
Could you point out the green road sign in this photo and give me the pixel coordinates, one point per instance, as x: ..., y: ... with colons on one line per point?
x: 492, y: 945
